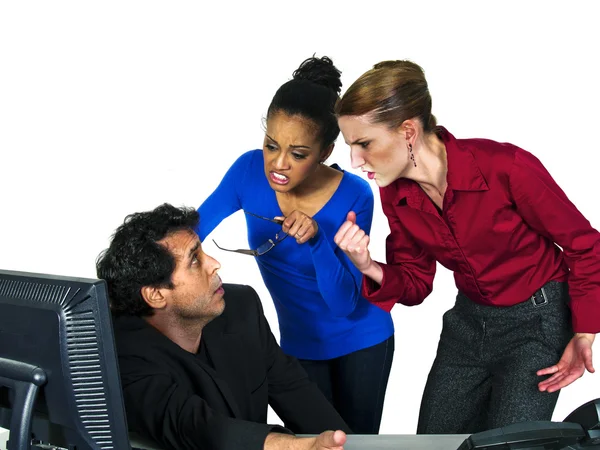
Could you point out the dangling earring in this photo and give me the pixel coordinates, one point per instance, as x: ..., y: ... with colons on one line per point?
x: 412, y: 155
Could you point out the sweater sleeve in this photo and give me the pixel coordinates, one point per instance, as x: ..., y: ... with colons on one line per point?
x: 338, y: 279
x: 226, y: 198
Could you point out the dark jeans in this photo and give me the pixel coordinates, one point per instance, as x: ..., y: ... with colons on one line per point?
x: 355, y: 384
x: 484, y: 374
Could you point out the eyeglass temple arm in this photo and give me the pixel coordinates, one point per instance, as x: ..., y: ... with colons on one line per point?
x: 277, y: 221
x: 239, y: 250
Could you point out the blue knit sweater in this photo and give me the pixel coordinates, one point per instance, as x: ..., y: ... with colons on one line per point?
x: 315, y: 287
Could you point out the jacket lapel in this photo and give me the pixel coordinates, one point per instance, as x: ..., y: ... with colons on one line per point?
x: 223, y: 350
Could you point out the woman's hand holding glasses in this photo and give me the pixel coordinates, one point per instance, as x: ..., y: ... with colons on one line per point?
x: 299, y: 226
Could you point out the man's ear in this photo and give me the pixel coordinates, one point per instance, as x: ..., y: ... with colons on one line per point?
x: 154, y: 297
x: 326, y: 153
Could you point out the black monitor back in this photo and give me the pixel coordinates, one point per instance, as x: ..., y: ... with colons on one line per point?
x: 63, y: 326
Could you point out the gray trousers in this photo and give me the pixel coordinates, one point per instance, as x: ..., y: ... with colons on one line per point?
x: 484, y: 373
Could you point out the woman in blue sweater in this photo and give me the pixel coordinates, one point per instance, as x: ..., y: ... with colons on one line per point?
x: 345, y: 343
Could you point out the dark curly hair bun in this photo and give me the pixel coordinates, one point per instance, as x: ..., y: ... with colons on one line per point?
x: 320, y: 71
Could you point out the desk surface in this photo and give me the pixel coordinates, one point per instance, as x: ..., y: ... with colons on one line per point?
x: 405, y: 441
x: 381, y: 442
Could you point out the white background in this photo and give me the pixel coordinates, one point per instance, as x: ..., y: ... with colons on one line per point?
x: 107, y: 108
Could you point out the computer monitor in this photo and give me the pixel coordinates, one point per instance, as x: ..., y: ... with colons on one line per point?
x: 56, y: 338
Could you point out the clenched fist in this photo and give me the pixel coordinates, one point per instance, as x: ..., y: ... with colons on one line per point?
x: 354, y: 242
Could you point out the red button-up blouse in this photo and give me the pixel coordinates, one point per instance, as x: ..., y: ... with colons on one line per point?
x: 502, y: 222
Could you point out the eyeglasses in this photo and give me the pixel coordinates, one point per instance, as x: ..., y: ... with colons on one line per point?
x: 263, y: 248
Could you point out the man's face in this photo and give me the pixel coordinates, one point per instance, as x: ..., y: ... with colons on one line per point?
x: 197, y: 291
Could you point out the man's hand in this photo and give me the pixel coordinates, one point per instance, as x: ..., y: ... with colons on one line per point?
x: 576, y: 358
x: 328, y: 440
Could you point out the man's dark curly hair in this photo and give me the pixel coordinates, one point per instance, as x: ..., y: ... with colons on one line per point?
x: 134, y: 259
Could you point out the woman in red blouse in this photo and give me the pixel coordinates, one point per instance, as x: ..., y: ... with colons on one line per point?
x: 525, y: 260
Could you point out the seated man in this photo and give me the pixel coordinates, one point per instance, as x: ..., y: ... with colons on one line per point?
x: 198, y: 361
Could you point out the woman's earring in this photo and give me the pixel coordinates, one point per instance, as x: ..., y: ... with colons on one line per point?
x: 412, y: 155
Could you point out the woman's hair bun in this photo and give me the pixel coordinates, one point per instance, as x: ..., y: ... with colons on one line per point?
x: 391, y: 64
x: 320, y: 71
x: 401, y: 65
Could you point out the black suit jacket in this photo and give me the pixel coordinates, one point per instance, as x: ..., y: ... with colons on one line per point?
x: 180, y: 402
